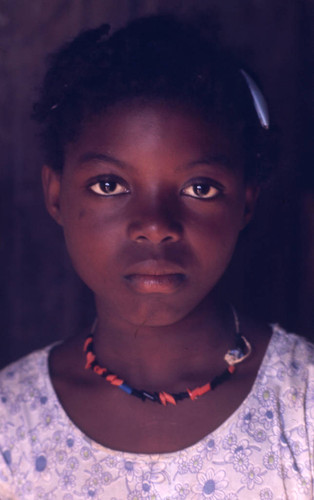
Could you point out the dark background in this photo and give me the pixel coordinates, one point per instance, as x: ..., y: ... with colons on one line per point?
x: 273, y: 273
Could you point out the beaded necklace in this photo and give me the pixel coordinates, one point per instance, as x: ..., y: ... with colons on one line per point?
x: 241, y: 351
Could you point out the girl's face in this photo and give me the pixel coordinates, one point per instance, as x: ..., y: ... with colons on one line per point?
x: 152, y: 199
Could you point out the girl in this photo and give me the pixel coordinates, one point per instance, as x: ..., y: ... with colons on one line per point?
x: 156, y: 144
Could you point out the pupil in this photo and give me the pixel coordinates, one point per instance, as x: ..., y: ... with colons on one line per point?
x: 108, y: 186
x: 201, y: 189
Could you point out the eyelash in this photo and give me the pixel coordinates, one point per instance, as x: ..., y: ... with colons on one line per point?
x: 95, y: 186
x: 98, y: 187
x: 190, y: 189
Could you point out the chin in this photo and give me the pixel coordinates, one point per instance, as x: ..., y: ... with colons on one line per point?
x: 155, y: 317
x: 157, y: 312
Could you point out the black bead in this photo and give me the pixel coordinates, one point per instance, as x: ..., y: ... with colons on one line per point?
x: 220, y: 379
x: 181, y: 395
x: 138, y: 394
x: 151, y: 397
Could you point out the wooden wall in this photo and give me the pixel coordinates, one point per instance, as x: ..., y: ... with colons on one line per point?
x: 41, y: 299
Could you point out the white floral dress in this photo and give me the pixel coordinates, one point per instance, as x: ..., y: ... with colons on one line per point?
x: 263, y: 451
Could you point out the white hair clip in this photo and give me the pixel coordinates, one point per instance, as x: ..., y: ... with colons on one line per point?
x: 259, y: 101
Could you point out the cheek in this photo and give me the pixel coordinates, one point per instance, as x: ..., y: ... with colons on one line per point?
x: 85, y: 220
x: 218, y: 223
x: 90, y: 239
x: 214, y: 236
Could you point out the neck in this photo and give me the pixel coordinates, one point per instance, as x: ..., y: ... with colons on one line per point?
x: 165, y: 354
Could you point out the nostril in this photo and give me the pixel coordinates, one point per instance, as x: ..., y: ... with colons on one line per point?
x: 141, y: 239
x: 154, y: 239
x: 167, y: 238
x: 151, y: 231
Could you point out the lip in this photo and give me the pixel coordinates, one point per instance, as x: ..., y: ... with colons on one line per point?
x: 155, y: 283
x: 154, y: 267
x: 155, y: 276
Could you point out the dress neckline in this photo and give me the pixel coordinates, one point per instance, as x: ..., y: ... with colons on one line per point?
x: 276, y: 332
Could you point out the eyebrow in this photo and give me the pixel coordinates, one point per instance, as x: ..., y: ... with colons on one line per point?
x: 211, y: 160
x: 103, y: 157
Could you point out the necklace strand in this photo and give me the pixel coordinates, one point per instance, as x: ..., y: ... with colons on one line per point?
x: 239, y: 353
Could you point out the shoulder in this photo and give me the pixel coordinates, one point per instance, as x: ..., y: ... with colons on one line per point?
x: 25, y: 406
x: 25, y: 391
x: 31, y: 370
x: 293, y: 351
x: 289, y: 360
x: 286, y: 376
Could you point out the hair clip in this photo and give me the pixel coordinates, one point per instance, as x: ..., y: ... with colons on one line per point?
x: 259, y: 101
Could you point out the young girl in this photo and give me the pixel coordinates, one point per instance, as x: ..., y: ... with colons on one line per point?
x: 156, y: 144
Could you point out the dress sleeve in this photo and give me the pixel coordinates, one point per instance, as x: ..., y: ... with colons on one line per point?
x: 6, y: 483
x: 309, y: 414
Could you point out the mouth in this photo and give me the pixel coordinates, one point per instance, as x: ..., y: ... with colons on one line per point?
x: 155, y: 283
x: 154, y: 276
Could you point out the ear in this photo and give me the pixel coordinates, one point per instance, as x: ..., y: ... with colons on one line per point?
x: 251, y: 195
x: 51, y: 181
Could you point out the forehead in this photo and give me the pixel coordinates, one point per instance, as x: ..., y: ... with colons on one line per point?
x: 134, y: 129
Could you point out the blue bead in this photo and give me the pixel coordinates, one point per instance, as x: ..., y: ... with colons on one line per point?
x: 125, y: 388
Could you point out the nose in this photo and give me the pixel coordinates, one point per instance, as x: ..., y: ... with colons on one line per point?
x: 155, y: 228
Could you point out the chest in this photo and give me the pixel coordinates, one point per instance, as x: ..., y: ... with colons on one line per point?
x: 122, y: 422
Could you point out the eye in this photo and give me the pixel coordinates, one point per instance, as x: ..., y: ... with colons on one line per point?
x: 109, y: 187
x: 204, y: 189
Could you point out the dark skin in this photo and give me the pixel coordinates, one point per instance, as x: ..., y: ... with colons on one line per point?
x: 152, y: 199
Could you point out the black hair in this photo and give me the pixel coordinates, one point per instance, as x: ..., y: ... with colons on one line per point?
x: 158, y: 57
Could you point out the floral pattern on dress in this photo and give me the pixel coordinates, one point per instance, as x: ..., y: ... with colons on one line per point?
x: 263, y: 451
